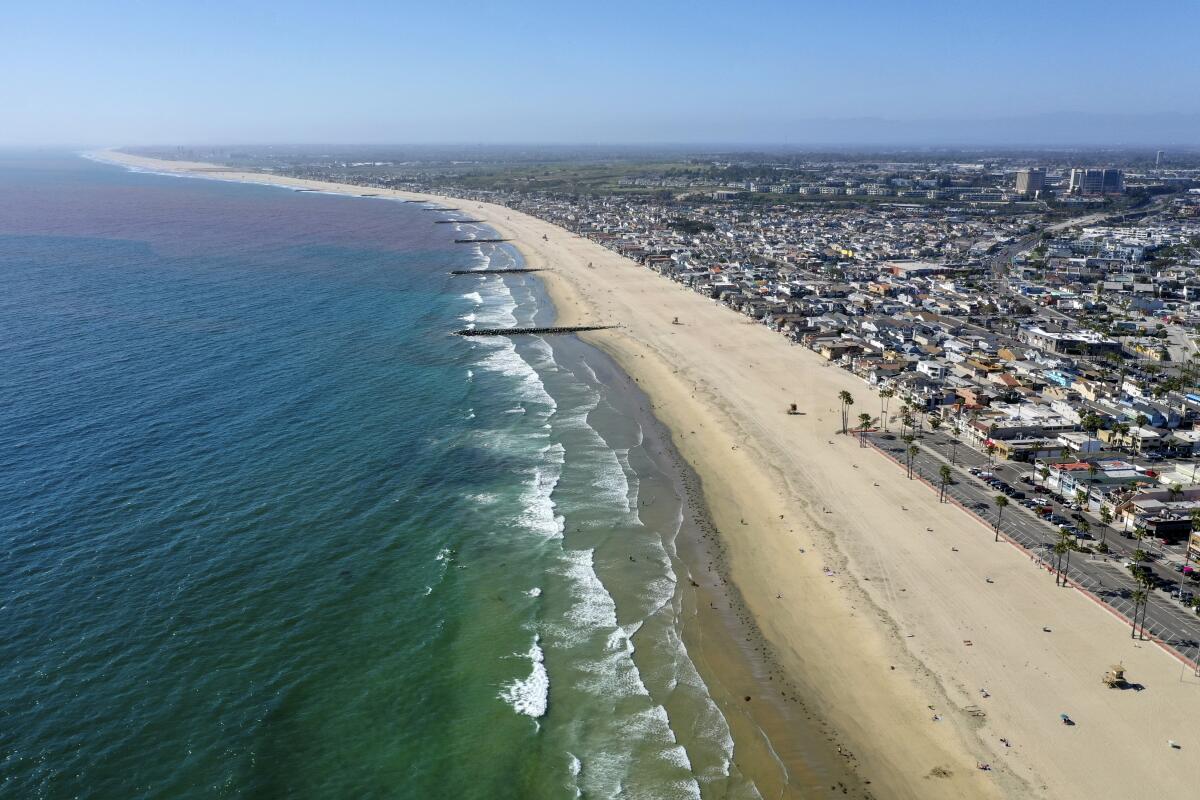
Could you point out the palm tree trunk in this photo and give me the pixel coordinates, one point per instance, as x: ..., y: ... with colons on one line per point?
x: 1067, y: 568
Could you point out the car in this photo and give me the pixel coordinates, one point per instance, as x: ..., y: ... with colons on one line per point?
x: 1027, y: 480
x: 1077, y: 517
x: 1041, y: 490
x: 974, y: 470
x: 1018, y: 495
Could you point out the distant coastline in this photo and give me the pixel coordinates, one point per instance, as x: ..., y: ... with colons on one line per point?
x: 871, y: 622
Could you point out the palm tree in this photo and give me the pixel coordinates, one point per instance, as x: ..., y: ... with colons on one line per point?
x: 1085, y: 527
x: 1139, y: 599
x: 1175, y: 491
x: 1081, y: 498
x: 885, y: 395
x: 1091, y: 424
x: 1092, y: 471
x: 1106, y: 519
x: 1044, y: 473
x: 912, y: 453
x: 1001, y: 503
x: 935, y: 423
x: 864, y: 422
x: 1146, y: 586
x: 954, y: 433
x: 1066, y: 542
x: 944, y: 473
x: 1059, y: 549
x: 1123, y: 429
x: 991, y: 451
x: 1138, y: 568
x: 847, y: 400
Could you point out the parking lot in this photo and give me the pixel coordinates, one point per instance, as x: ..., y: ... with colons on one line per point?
x: 1105, y: 576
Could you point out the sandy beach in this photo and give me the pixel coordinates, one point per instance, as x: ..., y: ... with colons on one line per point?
x: 872, y: 596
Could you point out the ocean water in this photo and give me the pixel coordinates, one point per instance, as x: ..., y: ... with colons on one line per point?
x: 268, y: 530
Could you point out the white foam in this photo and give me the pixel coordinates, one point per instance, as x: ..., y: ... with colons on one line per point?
x: 534, y: 592
x: 531, y: 695
x: 474, y: 297
x: 537, y: 498
x: 501, y: 357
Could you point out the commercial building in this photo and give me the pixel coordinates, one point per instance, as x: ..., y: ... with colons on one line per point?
x: 1097, y: 181
x: 1031, y: 181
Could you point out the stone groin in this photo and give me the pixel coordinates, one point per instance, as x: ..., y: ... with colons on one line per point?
x: 535, y: 331
x: 490, y: 271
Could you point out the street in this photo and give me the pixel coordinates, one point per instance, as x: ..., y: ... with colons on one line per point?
x: 1102, y: 576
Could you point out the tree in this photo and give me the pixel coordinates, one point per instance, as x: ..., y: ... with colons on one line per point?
x: 1065, y: 540
x: 1106, y: 519
x: 1140, y: 598
x: 1085, y: 527
x: 1044, y: 473
x: 1081, y: 498
x: 885, y: 396
x: 864, y: 422
x: 1001, y: 503
x: 935, y: 423
x: 1091, y: 424
x: 1175, y: 491
x: 944, y: 473
x: 847, y: 400
x: 991, y: 451
x: 1123, y: 431
x: 1060, y: 548
x: 912, y: 453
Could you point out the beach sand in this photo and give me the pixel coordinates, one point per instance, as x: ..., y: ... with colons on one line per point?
x: 878, y: 624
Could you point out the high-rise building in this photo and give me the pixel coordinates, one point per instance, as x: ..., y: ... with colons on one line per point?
x: 1158, y: 157
x: 1097, y: 181
x: 1031, y: 181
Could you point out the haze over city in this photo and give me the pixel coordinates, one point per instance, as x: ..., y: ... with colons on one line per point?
x: 799, y: 73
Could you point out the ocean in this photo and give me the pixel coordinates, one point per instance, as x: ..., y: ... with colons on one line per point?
x: 268, y: 529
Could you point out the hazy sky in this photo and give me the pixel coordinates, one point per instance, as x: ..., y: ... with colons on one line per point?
x: 602, y: 71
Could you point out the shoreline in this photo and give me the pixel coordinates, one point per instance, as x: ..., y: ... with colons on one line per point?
x: 847, y: 569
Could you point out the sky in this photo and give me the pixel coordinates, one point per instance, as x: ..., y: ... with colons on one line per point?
x: 114, y: 72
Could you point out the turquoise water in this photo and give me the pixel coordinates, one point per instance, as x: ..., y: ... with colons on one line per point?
x: 269, y: 531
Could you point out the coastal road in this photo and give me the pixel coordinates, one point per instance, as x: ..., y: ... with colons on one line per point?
x: 1102, y: 576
